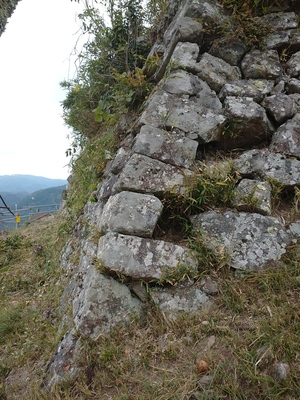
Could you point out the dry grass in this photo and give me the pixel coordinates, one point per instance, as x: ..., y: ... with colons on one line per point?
x: 254, y: 323
x: 29, y: 298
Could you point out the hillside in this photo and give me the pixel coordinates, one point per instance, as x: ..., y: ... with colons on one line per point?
x: 173, y: 271
x: 253, y: 326
x: 27, y: 183
x: 28, y: 268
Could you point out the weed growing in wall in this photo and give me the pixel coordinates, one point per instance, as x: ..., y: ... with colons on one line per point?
x: 210, y: 186
x: 244, y: 24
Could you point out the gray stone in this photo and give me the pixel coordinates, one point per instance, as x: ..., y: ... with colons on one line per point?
x: 253, y: 241
x: 185, y: 56
x: 232, y: 52
x: 176, y: 300
x: 216, y: 72
x: 281, y: 371
x: 264, y: 164
x: 287, y: 138
x: 209, y: 12
x: 146, y: 175
x: 293, y: 65
x: 296, y: 99
x: 65, y: 257
x: 191, y: 115
x: 182, y: 82
x: 248, y: 123
x: 209, y: 286
x: 254, y: 196
x: 255, y: 88
x: 197, y: 121
x: 258, y: 64
x: 277, y: 40
x: 107, y: 187
x: 293, y: 86
x: 294, y: 229
x: 172, y: 33
x: 186, y: 26
x: 281, y: 106
x: 119, y: 160
x: 170, y: 147
x: 279, y: 21
x: 156, y: 109
x: 189, y: 30
x: 131, y: 213
x: 208, y: 97
x: 63, y: 365
x: 100, y: 303
x: 279, y: 88
x: 93, y: 212
x: 144, y: 259
x: 177, y: 30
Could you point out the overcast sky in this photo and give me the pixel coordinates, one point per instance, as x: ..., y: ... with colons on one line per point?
x: 35, y: 56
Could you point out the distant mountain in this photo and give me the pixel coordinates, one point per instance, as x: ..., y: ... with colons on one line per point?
x: 44, y: 197
x: 27, y: 184
x: 41, y: 201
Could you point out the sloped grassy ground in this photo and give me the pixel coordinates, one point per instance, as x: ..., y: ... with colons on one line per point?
x: 29, y: 295
x: 253, y: 324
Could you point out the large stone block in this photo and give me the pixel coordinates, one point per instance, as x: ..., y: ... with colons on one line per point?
x: 101, y: 303
x: 264, y: 164
x: 248, y: 123
x: 144, y: 259
x: 286, y: 139
x: 177, y: 300
x: 167, y: 146
x: 216, y: 72
x: 261, y: 64
x: 253, y: 241
x: 146, y: 175
x: 131, y: 213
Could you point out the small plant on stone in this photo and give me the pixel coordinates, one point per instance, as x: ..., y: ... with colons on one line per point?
x: 180, y: 274
x: 212, y: 186
x: 152, y: 64
x: 250, y: 200
x: 208, y: 252
x: 276, y: 192
x: 232, y: 128
x: 253, y: 7
x: 243, y: 23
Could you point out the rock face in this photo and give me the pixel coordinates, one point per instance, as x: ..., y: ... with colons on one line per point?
x: 212, y: 95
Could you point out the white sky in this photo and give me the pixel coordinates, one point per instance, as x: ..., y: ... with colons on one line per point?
x: 35, y: 56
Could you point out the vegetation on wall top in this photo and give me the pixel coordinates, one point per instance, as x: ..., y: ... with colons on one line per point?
x: 109, y: 84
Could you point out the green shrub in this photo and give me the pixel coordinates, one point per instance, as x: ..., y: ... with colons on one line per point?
x: 109, y: 80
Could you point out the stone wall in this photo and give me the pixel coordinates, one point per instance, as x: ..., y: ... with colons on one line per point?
x: 214, y: 96
x: 6, y: 10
